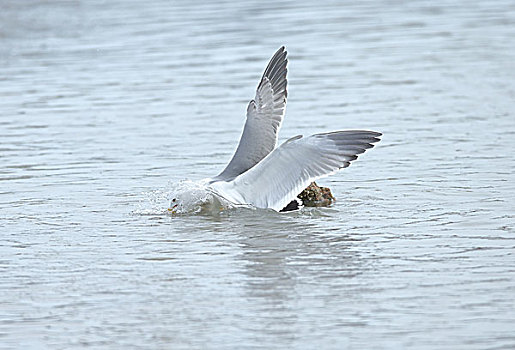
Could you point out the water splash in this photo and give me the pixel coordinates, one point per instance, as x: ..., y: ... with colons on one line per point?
x: 183, y: 197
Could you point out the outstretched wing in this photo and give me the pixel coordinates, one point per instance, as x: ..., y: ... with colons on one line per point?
x: 264, y: 117
x: 290, y: 168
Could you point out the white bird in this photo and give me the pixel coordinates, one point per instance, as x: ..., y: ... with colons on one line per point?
x: 265, y: 176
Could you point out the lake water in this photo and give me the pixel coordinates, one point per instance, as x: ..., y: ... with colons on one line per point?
x: 105, y: 106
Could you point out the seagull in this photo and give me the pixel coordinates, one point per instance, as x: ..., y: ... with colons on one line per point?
x: 262, y: 175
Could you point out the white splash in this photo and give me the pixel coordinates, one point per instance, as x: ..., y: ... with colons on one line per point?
x: 183, y: 197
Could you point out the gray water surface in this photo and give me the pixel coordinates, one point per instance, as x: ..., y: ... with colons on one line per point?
x: 105, y: 105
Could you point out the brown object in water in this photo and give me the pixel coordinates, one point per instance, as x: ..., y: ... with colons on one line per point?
x: 316, y: 196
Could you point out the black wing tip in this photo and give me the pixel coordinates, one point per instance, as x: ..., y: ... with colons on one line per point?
x: 369, y: 133
x: 276, y: 71
x: 365, y: 135
x: 278, y: 57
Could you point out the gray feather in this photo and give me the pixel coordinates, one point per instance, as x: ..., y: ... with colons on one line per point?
x: 264, y: 117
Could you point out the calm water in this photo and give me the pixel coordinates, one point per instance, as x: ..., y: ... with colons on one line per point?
x: 106, y: 105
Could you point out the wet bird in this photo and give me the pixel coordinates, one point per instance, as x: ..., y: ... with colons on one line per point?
x: 265, y: 176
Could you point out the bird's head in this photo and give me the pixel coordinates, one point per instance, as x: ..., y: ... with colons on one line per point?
x: 173, y: 205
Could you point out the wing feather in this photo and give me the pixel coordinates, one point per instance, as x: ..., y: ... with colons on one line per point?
x: 290, y: 168
x: 264, y: 117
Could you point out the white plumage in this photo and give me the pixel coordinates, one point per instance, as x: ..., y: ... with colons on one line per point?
x: 261, y: 175
x: 285, y: 172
